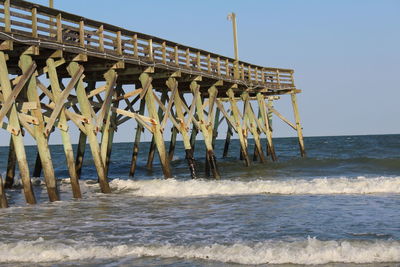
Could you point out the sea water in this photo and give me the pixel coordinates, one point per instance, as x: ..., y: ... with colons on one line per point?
x: 339, y: 206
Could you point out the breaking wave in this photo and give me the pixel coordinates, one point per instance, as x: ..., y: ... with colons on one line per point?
x: 199, y: 188
x: 310, y: 251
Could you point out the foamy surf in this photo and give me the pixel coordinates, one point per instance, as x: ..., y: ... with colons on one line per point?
x: 310, y: 251
x: 200, y: 188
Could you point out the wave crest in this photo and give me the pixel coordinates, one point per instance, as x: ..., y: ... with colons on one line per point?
x: 310, y: 251
x: 199, y: 188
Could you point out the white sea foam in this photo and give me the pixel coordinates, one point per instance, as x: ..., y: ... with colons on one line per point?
x: 311, y: 251
x: 198, y: 188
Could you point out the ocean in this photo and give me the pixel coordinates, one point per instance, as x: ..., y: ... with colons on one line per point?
x: 339, y: 206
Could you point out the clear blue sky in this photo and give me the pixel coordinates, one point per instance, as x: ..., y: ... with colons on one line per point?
x: 345, y: 52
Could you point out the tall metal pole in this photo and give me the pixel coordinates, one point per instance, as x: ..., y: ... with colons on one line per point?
x: 51, y: 3
x: 232, y: 17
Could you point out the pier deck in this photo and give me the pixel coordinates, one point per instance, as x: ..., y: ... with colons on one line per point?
x: 59, y: 70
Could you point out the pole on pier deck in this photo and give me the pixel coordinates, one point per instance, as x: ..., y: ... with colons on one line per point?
x: 183, y: 129
x: 240, y: 130
x: 135, y: 151
x: 10, y: 174
x: 206, y: 126
x: 232, y: 17
x: 298, y: 125
x: 39, y: 130
x: 84, y: 104
x: 16, y: 135
x: 152, y: 148
x: 251, y: 118
x: 3, y: 197
x: 66, y: 140
x: 146, y: 81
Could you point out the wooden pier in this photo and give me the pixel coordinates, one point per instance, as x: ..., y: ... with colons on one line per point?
x: 59, y: 70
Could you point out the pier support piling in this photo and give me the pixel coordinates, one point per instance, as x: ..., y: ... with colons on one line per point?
x: 240, y: 130
x: 3, y: 197
x: 10, y: 174
x: 16, y: 133
x: 206, y: 127
x: 172, y: 84
x: 85, y: 106
x: 298, y: 125
x: 135, y: 151
x: 146, y: 81
x: 266, y: 126
x: 80, y: 153
x: 66, y: 140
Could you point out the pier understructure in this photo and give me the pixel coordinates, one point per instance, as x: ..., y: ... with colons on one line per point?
x: 59, y: 70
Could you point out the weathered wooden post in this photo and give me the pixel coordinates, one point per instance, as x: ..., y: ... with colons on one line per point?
x: 3, y: 197
x: 229, y: 134
x: 172, y: 143
x: 206, y: 126
x: 152, y: 148
x: 265, y: 120
x: 269, y: 108
x: 80, y: 153
x: 16, y: 132
x: 240, y: 130
x: 135, y: 151
x: 298, y: 125
x: 146, y: 81
x: 172, y: 84
x: 107, y: 118
x: 10, y: 174
x: 85, y: 106
x: 66, y: 140
x: 39, y: 132
x: 250, y: 117
x: 37, y: 169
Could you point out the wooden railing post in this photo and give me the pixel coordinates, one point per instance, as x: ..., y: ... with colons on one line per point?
x: 101, y: 38
x: 256, y: 74
x: 34, y: 22
x: 209, y: 63
x: 249, y: 72
x: 187, y: 58
x: 151, y: 49
x: 218, y: 66
x: 227, y: 68
x: 135, y: 46
x: 198, y: 61
x: 81, y: 33
x: 59, y: 29
x: 7, y: 18
x: 176, y: 52
x: 164, y: 52
x: 119, y: 43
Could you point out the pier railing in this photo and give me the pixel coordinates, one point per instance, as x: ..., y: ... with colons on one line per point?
x: 25, y: 19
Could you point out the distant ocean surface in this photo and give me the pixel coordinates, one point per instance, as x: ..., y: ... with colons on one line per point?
x: 340, y: 206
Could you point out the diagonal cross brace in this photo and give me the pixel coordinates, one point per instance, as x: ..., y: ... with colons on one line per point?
x: 168, y: 111
x: 60, y: 103
x: 107, y: 102
x: 17, y: 89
